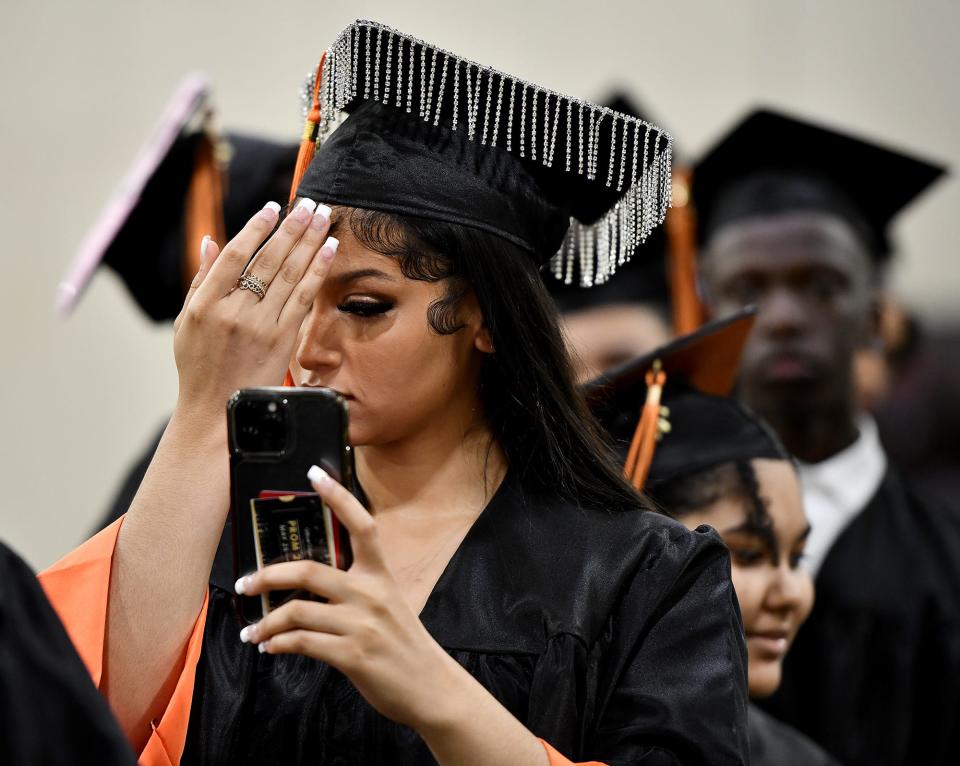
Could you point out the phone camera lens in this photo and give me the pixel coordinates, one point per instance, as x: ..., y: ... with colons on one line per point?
x: 261, y: 426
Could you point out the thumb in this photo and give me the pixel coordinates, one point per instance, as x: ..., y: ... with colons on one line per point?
x: 209, y: 250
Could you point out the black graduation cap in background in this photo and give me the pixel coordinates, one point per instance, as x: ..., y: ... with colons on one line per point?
x: 670, y: 412
x: 771, y: 163
x: 144, y: 232
x: 435, y: 135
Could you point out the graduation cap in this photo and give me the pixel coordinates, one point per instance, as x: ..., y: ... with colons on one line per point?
x: 670, y: 412
x: 643, y: 279
x: 772, y: 163
x: 662, y: 274
x: 186, y: 182
x: 435, y: 135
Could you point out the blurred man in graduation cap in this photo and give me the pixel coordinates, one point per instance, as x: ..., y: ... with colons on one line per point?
x: 648, y: 300
x: 702, y: 457
x: 794, y: 217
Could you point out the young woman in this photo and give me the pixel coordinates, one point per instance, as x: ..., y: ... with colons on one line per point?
x: 511, y: 600
x: 755, y: 505
x: 714, y: 463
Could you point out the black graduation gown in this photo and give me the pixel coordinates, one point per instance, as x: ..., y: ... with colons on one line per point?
x: 874, y: 674
x: 608, y: 635
x: 773, y: 743
x: 50, y: 711
x: 613, y: 636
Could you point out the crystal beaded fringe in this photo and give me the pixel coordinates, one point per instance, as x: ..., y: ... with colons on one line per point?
x: 640, y: 153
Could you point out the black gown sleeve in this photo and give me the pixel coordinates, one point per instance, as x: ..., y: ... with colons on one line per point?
x: 773, y: 743
x: 50, y: 711
x: 673, y: 678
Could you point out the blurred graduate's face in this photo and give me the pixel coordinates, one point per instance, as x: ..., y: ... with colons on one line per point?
x: 603, y: 337
x: 811, y: 278
x: 775, y: 594
x: 368, y: 337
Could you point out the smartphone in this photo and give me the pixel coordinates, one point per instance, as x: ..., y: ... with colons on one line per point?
x: 275, y: 435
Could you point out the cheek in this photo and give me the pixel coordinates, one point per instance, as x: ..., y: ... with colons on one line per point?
x: 749, y: 588
x: 763, y: 677
x: 402, y: 377
x: 806, y: 597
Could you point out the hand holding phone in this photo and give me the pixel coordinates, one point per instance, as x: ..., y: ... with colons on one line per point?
x: 275, y: 435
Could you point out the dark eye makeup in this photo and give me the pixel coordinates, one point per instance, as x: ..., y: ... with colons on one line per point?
x: 747, y: 556
x: 365, y: 307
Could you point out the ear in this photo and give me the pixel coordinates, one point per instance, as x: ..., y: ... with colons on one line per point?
x: 472, y: 317
x: 483, y: 342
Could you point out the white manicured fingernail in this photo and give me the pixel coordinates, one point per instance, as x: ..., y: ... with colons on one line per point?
x: 240, y: 586
x: 269, y: 212
x: 247, y: 634
x: 262, y: 646
x: 317, y: 475
x: 308, y: 203
x: 329, y: 248
x: 204, y: 244
x: 323, y: 211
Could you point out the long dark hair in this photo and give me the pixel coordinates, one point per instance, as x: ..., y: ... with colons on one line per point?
x: 527, y: 391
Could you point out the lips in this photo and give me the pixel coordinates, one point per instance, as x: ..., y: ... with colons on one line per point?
x: 771, y: 644
x: 348, y: 397
x: 789, y: 367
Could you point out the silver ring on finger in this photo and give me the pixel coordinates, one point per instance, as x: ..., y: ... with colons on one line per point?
x: 254, y: 284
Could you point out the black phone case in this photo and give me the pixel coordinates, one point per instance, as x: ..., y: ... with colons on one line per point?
x: 316, y: 425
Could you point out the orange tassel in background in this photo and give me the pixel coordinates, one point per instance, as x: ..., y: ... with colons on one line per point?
x: 648, y: 429
x: 203, y: 209
x: 682, y: 256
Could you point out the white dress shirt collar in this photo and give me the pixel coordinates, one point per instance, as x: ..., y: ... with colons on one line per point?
x: 837, y: 489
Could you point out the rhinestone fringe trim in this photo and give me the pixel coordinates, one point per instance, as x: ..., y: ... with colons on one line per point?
x: 640, y: 153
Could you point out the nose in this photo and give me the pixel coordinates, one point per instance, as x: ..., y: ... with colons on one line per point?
x: 782, y: 312
x: 317, y: 347
x: 788, y: 588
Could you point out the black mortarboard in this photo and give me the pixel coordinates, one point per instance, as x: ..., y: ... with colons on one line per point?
x: 145, y: 232
x: 434, y: 135
x: 771, y: 163
x: 670, y: 412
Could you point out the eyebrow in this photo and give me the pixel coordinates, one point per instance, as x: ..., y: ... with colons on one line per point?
x: 353, y: 276
x: 750, y: 529
x: 745, y: 528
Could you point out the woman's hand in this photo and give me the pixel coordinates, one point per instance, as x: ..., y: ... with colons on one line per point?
x: 227, y: 338
x: 366, y: 629
x: 368, y: 632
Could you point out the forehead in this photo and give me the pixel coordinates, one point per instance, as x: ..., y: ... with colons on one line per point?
x: 353, y: 256
x: 780, y: 488
x: 786, y: 241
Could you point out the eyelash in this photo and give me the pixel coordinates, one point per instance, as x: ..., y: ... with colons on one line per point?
x: 365, y: 309
x: 746, y: 557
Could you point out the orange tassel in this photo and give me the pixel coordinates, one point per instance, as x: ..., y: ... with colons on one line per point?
x: 203, y: 208
x: 681, y: 225
x: 308, y: 142
x: 308, y: 145
x: 640, y: 456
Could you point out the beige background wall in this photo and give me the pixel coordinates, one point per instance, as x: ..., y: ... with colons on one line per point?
x: 82, y: 83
